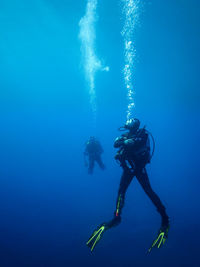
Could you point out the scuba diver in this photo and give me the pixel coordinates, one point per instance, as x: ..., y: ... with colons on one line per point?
x: 93, y: 151
x: 133, y: 155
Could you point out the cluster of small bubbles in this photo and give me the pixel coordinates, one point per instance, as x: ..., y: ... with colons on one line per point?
x: 91, y: 62
x: 131, y: 13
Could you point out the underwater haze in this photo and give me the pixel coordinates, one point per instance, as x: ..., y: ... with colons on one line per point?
x: 49, y: 204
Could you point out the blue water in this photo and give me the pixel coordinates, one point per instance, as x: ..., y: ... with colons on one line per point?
x: 49, y: 205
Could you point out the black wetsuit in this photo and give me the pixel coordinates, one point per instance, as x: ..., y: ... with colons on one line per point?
x: 134, y: 154
x: 94, y: 150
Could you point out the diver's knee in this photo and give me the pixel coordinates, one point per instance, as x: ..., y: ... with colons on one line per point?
x: 148, y: 191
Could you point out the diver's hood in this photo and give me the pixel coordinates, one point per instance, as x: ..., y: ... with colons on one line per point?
x: 131, y: 125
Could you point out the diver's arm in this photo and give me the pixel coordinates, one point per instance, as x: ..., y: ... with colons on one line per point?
x: 119, y: 141
x: 140, y: 140
x: 85, y: 154
x: 86, y: 151
x: 129, y: 142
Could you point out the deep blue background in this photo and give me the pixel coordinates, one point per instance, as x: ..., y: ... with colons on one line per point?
x: 49, y: 205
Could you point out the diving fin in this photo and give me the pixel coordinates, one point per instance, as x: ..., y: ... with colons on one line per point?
x: 161, y: 238
x: 96, y: 236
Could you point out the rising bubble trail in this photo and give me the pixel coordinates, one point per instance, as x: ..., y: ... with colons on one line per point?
x: 131, y: 14
x: 92, y: 64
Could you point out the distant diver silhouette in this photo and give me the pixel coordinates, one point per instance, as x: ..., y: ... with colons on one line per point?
x: 93, y: 151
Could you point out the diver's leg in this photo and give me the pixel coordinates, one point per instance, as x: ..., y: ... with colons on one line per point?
x: 98, y: 233
x: 99, y: 161
x: 91, y: 165
x: 142, y: 177
x: 126, y: 179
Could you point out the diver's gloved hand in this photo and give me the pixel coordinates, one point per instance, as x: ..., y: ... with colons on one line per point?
x: 161, y: 237
x: 129, y: 142
x: 119, y: 141
x: 96, y: 236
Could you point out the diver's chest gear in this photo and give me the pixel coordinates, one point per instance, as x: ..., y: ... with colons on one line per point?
x: 93, y: 148
x: 137, y: 152
x: 125, y: 162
